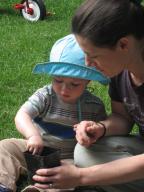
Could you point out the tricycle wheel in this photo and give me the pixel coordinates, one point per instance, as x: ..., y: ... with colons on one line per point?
x: 33, y: 10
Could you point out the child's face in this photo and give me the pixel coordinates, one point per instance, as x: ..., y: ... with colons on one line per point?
x: 69, y: 89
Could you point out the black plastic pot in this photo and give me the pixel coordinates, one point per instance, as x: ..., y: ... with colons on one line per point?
x: 49, y: 158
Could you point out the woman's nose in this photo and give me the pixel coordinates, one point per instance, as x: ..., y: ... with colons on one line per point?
x: 90, y: 62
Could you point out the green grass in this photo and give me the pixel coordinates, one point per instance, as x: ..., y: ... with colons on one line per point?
x: 22, y: 45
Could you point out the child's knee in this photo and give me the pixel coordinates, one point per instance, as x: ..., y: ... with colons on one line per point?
x: 12, y: 145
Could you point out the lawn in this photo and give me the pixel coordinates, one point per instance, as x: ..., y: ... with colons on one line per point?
x: 23, y: 44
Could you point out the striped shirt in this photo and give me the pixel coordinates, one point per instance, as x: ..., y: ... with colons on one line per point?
x: 56, y: 117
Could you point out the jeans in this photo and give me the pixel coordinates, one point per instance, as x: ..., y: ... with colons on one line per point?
x: 108, y: 149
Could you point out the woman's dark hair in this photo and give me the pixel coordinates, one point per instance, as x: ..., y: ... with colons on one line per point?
x: 104, y: 22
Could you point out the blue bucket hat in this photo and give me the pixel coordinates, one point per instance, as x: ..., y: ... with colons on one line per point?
x: 68, y: 60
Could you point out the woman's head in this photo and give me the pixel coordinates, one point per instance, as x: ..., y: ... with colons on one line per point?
x: 104, y: 22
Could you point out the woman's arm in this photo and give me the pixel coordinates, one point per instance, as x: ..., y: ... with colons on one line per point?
x: 119, y: 122
x: 115, y: 172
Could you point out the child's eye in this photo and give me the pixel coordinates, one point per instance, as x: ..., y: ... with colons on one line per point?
x: 75, y: 84
x: 58, y: 81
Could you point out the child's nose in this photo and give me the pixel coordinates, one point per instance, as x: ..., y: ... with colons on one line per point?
x: 66, y: 87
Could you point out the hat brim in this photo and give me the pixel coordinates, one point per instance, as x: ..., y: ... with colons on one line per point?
x: 70, y: 70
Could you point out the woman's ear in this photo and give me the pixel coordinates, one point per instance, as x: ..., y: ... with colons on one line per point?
x: 123, y: 44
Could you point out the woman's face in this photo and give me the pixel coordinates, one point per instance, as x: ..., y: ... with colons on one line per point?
x: 109, y: 61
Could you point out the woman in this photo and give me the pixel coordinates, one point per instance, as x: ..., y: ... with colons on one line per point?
x: 111, y: 33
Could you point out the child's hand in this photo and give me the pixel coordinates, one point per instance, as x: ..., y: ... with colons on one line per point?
x: 35, y: 144
x: 88, y: 132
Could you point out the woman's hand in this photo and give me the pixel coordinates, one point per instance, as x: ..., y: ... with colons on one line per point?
x: 63, y: 177
x: 35, y: 144
x: 87, y: 132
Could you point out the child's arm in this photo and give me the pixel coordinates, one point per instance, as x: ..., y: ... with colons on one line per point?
x: 26, y: 127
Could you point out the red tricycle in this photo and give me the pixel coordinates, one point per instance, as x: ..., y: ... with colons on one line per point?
x: 32, y: 10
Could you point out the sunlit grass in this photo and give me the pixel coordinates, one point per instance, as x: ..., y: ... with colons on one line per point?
x: 22, y: 45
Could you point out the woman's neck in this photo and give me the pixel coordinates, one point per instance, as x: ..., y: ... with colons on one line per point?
x: 137, y: 80
x: 136, y: 68
x: 136, y: 65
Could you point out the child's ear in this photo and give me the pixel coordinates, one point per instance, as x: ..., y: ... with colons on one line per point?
x: 88, y: 82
